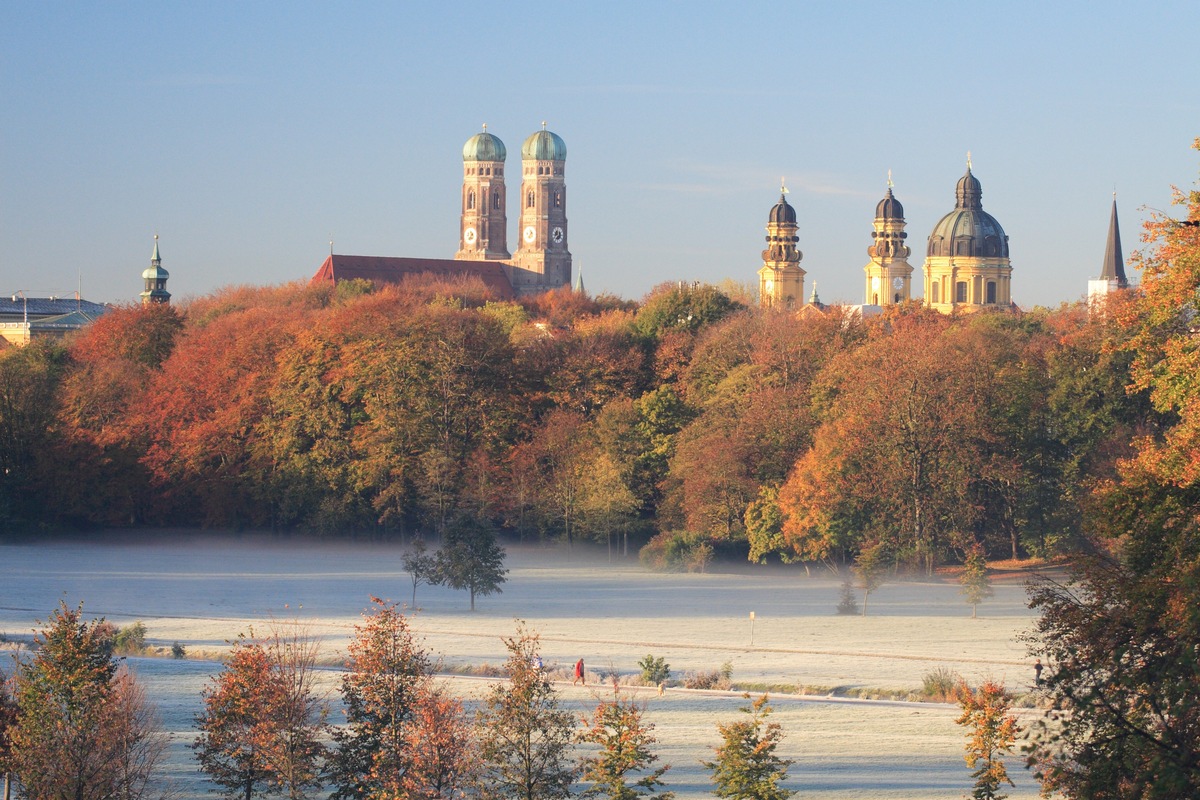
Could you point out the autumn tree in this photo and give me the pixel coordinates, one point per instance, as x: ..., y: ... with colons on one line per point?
x: 1118, y: 635
x: 623, y: 768
x: 525, y: 737
x: 386, y: 677
x: 239, y: 725
x: 8, y: 718
x: 471, y: 558
x: 746, y: 766
x: 297, y: 756
x: 83, y: 729
x: 991, y: 734
x: 974, y: 579
x: 441, y: 741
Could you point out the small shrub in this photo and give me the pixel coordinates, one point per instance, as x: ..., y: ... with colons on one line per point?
x: 178, y: 650
x: 848, y: 604
x: 700, y: 556
x: 706, y: 679
x: 654, y: 670
x: 131, y: 639
x: 941, y: 684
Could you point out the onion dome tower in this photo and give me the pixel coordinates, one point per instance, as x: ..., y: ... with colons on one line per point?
x: 781, y: 280
x: 542, y: 261
x: 888, y: 275
x: 483, y: 234
x: 155, y: 279
x: 966, y: 264
x: 1112, y: 271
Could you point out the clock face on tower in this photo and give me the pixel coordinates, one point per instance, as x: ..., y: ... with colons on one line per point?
x: 769, y: 285
x: 530, y: 234
x: 898, y: 283
x: 469, y: 236
x: 556, y: 235
x: 875, y: 283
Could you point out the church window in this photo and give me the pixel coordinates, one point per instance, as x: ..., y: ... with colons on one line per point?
x: 470, y: 200
x: 529, y: 200
x: 496, y: 199
x: 960, y: 292
x: 874, y: 299
x: 991, y: 292
x: 934, y: 298
x: 558, y: 199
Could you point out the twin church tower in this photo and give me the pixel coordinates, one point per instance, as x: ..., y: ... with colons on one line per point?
x: 542, y: 260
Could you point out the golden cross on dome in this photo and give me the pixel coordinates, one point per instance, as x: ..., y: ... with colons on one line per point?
x: 485, y: 127
x: 783, y: 186
x: 543, y: 124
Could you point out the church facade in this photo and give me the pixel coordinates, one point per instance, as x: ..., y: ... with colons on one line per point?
x: 542, y: 261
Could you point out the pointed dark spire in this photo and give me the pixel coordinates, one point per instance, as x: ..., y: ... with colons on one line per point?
x: 1114, y: 260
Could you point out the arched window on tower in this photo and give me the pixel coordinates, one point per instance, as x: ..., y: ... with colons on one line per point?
x: 470, y: 200
x: 558, y: 199
x: 496, y: 199
x: 960, y: 292
x: 991, y: 292
x: 529, y: 199
x: 934, y: 294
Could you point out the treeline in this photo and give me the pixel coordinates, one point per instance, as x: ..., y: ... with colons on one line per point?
x: 691, y: 420
x: 75, y: 723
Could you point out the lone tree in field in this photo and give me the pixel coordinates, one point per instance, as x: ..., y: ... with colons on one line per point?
x: 386, y: 677
x: 975, y: 584
x: 422, y: 567
x: 746, y: 767
x: 525, y: 738
x: 82, y: 728
x: 992, y: 730
x: 471, y: 558
x: 239, y: 726
x: 625, y: 741
x: 297, y: 757
x: 871, y: 569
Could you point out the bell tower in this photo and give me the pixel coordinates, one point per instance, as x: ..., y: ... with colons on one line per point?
x: 483, y: 233
x: 542, y: 260
x: 888, y: 275
x: 781, y: 280
x: 155, y: 279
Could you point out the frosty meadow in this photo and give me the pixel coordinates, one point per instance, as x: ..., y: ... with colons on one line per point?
x: 205, y: 591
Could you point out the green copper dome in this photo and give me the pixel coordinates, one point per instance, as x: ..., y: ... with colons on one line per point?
x: 484, y: 147
x: 544, y: 146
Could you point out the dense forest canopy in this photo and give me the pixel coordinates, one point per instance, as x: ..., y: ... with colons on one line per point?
x: 689, y: 420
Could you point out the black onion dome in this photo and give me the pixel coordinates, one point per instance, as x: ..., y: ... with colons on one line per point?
x: 782, y: 212
x: 968, y: 230
x: 889, y: 207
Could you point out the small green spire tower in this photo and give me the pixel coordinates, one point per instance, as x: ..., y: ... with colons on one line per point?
x: 156, y: 280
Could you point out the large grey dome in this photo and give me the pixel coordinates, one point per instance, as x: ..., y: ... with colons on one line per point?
x: 968, y: 230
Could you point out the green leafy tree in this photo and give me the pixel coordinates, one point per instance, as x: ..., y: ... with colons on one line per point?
x: 471, y: 558
x: 974, y: 579
x: 655, y: 669
x: 238, y: 726
x: 386, y: 676
x: 991, y: 732
x: 746, y: 766
x: 623, y: 768
x: 83, y: 729
x: 525, y: 737
x: 871, y: 568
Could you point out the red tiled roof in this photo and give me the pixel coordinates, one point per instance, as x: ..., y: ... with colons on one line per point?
x: 385, y: 269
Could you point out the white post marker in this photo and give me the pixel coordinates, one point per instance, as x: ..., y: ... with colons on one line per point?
x: 752, y: 629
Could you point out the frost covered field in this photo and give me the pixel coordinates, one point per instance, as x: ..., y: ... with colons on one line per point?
x: 205, y: 591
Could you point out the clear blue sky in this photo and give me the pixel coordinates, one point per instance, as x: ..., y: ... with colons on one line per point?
x: 246, y: 134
